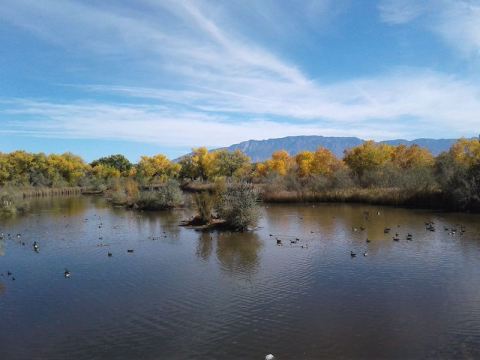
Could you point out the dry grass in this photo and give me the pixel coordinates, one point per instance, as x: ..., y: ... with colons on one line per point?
x: 44, y: 191
x: 381, y: 196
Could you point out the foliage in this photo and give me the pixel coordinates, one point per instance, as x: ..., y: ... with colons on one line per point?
x: 117, y: 162
x: 166, y: 196
x: 156, y: 169
x: 205, y: 204
x: 204, y: 165
x: 238, y: 206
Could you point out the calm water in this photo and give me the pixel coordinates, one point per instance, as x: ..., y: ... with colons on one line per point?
x: 191, y: 295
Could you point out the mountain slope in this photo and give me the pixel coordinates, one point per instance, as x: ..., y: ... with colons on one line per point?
x: 260, y: 150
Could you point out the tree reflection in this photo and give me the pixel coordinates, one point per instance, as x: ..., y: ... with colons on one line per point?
x: 205, y: 246
x: 238, y: 252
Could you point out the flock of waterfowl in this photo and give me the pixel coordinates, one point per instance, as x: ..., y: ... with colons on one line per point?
x: 36, y: 247
x: 429, y: 226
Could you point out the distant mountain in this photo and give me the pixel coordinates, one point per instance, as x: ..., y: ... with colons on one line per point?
x: 260, y: 150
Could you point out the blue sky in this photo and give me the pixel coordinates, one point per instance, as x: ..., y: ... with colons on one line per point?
x: 162, y: 76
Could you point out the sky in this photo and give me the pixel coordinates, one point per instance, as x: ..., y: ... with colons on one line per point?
x: 162, y: 76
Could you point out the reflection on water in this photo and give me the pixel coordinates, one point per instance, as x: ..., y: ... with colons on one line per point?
x: 236, y: 252
x: 183, y: 294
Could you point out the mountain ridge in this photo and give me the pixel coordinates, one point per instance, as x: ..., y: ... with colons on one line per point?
x: 260, y: 150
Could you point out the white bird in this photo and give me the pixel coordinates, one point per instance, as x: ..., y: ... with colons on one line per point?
x: 269, y: 357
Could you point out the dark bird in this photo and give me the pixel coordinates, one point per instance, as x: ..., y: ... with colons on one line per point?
x: 130, y: 250
x: 352, y: 254
x: 66, y: 274
x: 110, y: 254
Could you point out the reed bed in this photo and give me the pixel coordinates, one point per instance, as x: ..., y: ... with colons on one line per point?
x: 377, y: 196
x: 45, y: 192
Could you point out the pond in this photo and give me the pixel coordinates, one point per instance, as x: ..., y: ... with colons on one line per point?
x: 184, y: 294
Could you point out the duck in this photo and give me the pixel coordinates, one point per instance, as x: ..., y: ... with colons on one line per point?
x: 110, y: 254
x: 36, y: 247
x: 368, y: 240
x: 67, y: 274
x: 352, y: 254
x: 269, y: 357
x: 130, y: 250
x: 279, y: 242
x: 365, y: 253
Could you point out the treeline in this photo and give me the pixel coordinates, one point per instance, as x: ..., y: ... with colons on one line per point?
x: 452, y: 178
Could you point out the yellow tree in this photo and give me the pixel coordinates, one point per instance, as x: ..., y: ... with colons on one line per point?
x: 325, y: 162
x: 412, y: 157
x: 466, y: 152
x: 157, y: 168
x: 203, y: 161
x: 105, y: 172
x: 304, y: 161
x: 280, y: 163
x: 66, y: 168
x: 368, y: 156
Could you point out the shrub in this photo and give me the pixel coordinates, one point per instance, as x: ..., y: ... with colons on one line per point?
x: 167, y: 196
x: 238, y: 206
x: 205, y: 204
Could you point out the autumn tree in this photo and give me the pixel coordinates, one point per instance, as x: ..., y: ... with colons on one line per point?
x: 117, y: 162
x: 156, y: 168
x: 368, y: 156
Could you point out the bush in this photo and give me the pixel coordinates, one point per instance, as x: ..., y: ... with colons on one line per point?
x: 11, y: 202
x: 167, y: 196
x: 205, y: 204
x: 238, y: 206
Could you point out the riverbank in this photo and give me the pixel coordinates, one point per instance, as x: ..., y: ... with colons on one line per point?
x: 382, y: 196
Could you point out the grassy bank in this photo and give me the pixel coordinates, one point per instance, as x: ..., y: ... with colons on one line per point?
x: 379, y: 196
x: 44, y: 191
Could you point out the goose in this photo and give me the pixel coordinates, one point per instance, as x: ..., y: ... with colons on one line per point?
x: 66, y: 274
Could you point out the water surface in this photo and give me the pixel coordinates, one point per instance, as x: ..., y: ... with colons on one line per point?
x: 184, y: 294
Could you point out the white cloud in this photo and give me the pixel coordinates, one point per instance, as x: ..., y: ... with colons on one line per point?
x: 222, y: 86
x: 457, y: 22
x: 400, y: 11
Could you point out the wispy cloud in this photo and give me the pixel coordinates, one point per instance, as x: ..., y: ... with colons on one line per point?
x: 456, y: 21
x: 400, y: 11
x: 219, y: 85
